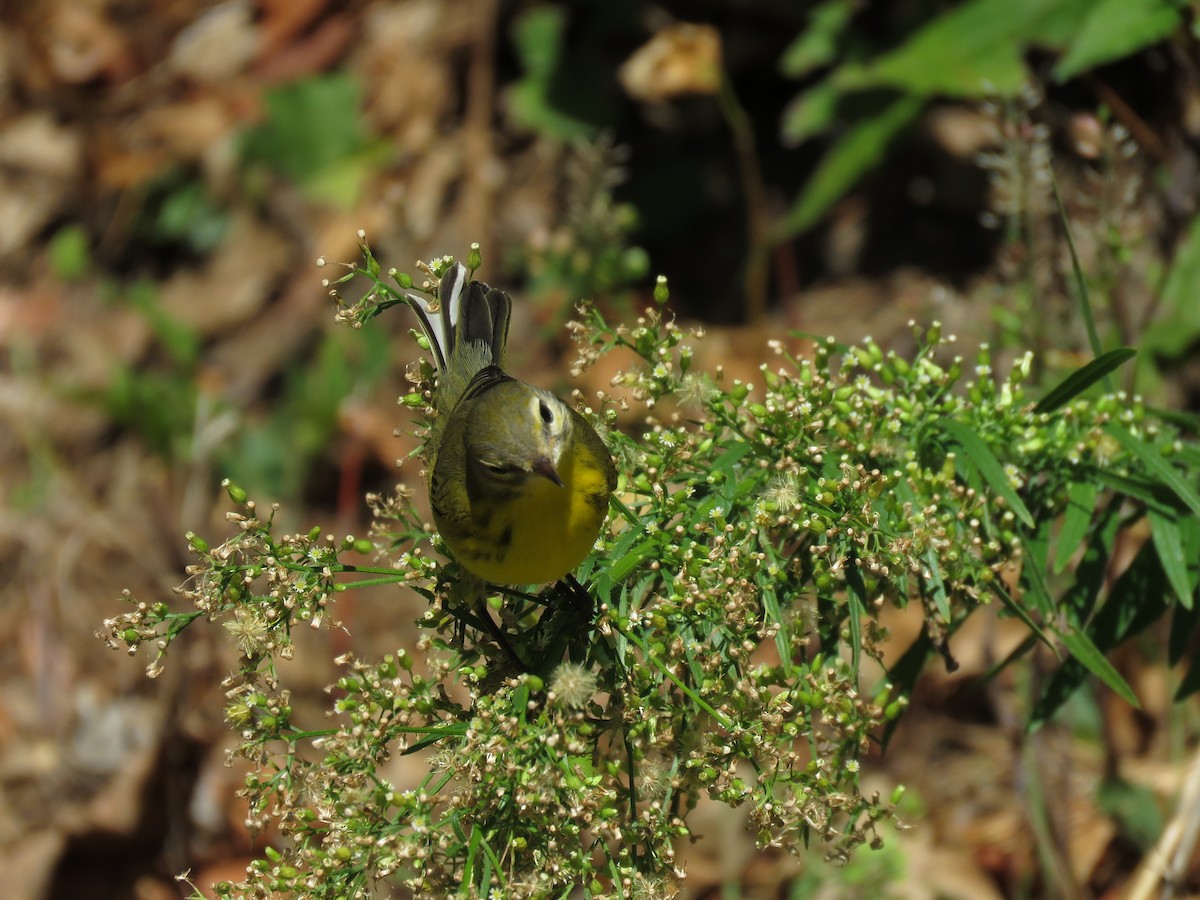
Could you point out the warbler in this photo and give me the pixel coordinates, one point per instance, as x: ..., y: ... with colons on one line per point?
x: 519, y: 481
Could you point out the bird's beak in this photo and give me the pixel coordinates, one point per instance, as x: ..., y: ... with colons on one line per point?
x: 544, y: 467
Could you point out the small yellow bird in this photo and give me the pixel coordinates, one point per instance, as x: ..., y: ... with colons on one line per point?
x: 519, y: 481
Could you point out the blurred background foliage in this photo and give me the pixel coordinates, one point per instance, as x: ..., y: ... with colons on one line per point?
x: 170, y: 171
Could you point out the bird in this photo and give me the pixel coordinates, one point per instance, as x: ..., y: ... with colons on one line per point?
x: 519, y: 482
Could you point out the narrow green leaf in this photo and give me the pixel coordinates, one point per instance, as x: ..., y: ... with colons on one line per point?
x: 1018, y: 610
x: 1157, y: 464
x: 857, y: 152
x: 631, y: 560
x: 904, y: 673
x: 773, y: 614
x: 1081, y: 285
x: 1135, y: 601
x: 1191, y: 681
x: 1033, y: 573
x: 1155, y: 495
x: 1184, y: 620
x: 1082, y: 649
x: 817, y: 44
x: 1083, y: 378
x: 989, y: 467
x: 1081, y: 504
x: 1078, y: 600
x: 940, y: 600
x: 856, y: 602
x: 1168, y: 543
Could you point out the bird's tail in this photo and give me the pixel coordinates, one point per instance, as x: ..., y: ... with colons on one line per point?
x: 467, y: 330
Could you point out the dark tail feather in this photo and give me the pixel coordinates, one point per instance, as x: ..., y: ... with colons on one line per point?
x: 484, y: 318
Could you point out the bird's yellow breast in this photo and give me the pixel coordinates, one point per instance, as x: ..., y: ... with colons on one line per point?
x: 543, y: 531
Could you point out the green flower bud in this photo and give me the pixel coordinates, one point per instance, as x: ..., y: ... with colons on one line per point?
x: 661, y: 292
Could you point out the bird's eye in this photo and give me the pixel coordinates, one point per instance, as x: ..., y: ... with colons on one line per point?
x: 547, y: 414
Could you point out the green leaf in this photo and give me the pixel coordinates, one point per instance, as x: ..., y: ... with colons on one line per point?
x: 817, y: 45
x: 1018, y: 610
x: 1191, y: 681
x: 1177, y: 323
x: 1081, y: 505
x: 69, y: 252
x: 904, y: 673
x: 1082, y: 649
x: 1135, y: 809
x: 977, y: 452
x: 1114, y: 29
x: 856, y: 602
x: 536, y: 100
x: 1135, y: 601
x: 1081, y: 282
x: 972, y: 50
x: 1184, y: 620
x: 1157, y: 464
x: 1155, y: 495
x: 810, y: 113
x: 1083, y: 378
x: 856, y: 153
x: 1167, y: 534
x: 940, y: 600
x: 1079, y: 598
x: 1033, y: 573
x: 310, y: 124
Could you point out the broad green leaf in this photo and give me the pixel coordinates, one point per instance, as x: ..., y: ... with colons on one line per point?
x: 310, y: 125
x: 817, y: 44
x: 1157, y: 464
x: 1083, y: 378
x: 855, y: 153
x: 535, y: 99
x: 1082, y: 649
x: 1178, y: 321
x: 1117, y: 28
x: 1167, y: 534
x: 1081, y: 505
x: 972, y: 50
x: 1135, y: 809
x: 988, y: 466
